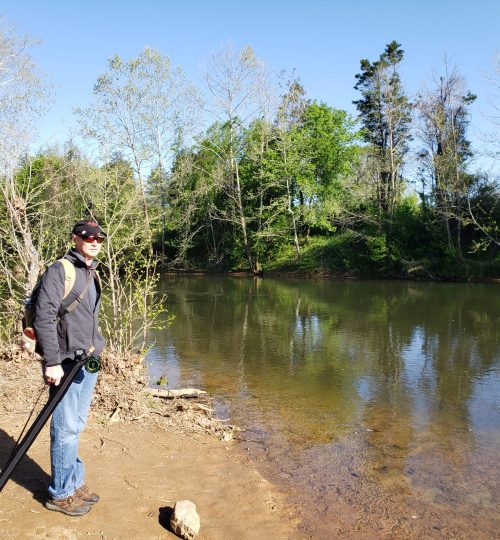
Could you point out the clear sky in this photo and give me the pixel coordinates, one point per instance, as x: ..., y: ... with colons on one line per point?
x: 322, y: 40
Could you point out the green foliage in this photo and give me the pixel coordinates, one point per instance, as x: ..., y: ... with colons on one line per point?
x: 299, y: 172
x: 325, y: 140
x: 381, y: 90
x: 418, y: 250
x: 45, y: 182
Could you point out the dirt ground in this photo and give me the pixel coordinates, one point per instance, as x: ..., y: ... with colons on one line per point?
x: 139, y: 469
x: 139, y: 475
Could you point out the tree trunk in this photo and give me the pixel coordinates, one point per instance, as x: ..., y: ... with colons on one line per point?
x: 241, y: 216
x: 294, y: 223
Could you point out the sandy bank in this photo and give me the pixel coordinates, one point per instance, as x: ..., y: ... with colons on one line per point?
x: 139, y: 470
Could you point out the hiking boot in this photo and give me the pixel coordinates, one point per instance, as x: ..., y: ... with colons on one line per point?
x: 71, y: 506
x: 86, y: 495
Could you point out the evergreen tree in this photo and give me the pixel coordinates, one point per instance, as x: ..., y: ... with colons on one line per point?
x: 385, y: 114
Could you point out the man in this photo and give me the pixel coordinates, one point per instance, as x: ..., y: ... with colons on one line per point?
x: 59, y: 334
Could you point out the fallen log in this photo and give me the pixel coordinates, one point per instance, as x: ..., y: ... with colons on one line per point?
x: 174, y: 394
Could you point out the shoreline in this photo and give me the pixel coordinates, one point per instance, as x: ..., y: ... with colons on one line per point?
x: 323, y: 274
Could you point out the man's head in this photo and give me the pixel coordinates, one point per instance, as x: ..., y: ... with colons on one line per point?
x: 88, y: 236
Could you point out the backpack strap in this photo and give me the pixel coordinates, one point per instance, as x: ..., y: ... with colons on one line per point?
x: 98, y: 279
x: 80, y: 297
x: 70, y: 276
x: 69, y: 282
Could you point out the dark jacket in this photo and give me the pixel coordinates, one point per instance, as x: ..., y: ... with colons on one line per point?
x: 59, y: 335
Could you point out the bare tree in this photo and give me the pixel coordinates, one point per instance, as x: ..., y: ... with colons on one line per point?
x: 492, y: 139
x: 233, y: 79
x: 169, y: 112
x: 289, y: 115
x: 483, y: 198
x: 23, y: 97
x: 443, y: 121
x: 141, y: 110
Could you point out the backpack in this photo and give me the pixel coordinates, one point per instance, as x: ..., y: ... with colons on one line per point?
x: 28, y: 337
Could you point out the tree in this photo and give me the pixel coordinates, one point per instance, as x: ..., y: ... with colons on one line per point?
x: 483, y: 208
x: 233, y: 80
x: 492, y: 139
x: 309, y: 161
x: 169, y: 108
x: 326, y: 137
x: 141, y: 109
x: 23, y: 98
x: 444, y: 118
x: 112, y: 197
x: 197, y: 205
x: 385, y: 114
x: 483, y: 198
x: 289, y: 116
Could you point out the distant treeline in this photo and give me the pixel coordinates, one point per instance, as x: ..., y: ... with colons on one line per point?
x: 277, y: 181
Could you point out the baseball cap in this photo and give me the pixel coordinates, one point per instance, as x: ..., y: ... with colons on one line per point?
x: 87, y: 227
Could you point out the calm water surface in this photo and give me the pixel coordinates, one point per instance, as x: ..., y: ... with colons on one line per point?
x: 375, y: 404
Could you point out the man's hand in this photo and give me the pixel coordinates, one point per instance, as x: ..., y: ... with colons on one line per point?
x: 53, y: 374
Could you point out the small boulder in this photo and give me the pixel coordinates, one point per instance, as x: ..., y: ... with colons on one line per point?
x: 185, y: 521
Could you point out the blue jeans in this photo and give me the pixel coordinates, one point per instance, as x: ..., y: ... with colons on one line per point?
x: 68, y: 421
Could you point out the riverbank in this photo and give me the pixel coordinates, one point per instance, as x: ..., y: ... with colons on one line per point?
x: 343, y: 256
x: 140, y: 468
x: 330, y: 275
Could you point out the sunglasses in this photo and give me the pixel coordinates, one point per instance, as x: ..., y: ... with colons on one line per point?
x: 90, y: 239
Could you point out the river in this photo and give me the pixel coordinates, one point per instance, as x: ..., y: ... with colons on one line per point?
x: 375, y: 405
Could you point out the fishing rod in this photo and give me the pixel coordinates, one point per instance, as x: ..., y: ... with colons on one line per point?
x: 91, y: 364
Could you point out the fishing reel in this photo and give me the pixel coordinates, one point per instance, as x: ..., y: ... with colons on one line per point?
x: 91, y: 363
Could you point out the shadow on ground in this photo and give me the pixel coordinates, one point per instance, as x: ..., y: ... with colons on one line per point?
x: 164, y: 517
x: 28, y: 473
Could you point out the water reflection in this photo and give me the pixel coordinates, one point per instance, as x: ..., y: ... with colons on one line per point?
x: 369, y: 394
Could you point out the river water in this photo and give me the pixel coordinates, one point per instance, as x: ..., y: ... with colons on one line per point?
x: 374, y: 405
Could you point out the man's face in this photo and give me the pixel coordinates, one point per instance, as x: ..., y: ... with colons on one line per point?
x: 89, y: 250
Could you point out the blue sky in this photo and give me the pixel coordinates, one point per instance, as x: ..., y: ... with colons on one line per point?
x: 322, y: 40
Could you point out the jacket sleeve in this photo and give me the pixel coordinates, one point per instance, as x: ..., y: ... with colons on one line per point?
x: 50, y: 296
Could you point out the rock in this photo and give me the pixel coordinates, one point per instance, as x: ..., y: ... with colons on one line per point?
x: 185, y: 521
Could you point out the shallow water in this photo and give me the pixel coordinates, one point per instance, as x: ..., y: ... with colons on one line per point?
x: 376, y: 404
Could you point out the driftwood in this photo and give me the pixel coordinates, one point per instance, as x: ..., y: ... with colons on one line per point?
x: 173, y: 394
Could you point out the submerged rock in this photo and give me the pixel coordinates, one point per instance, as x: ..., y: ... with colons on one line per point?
x: 185, y: 521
